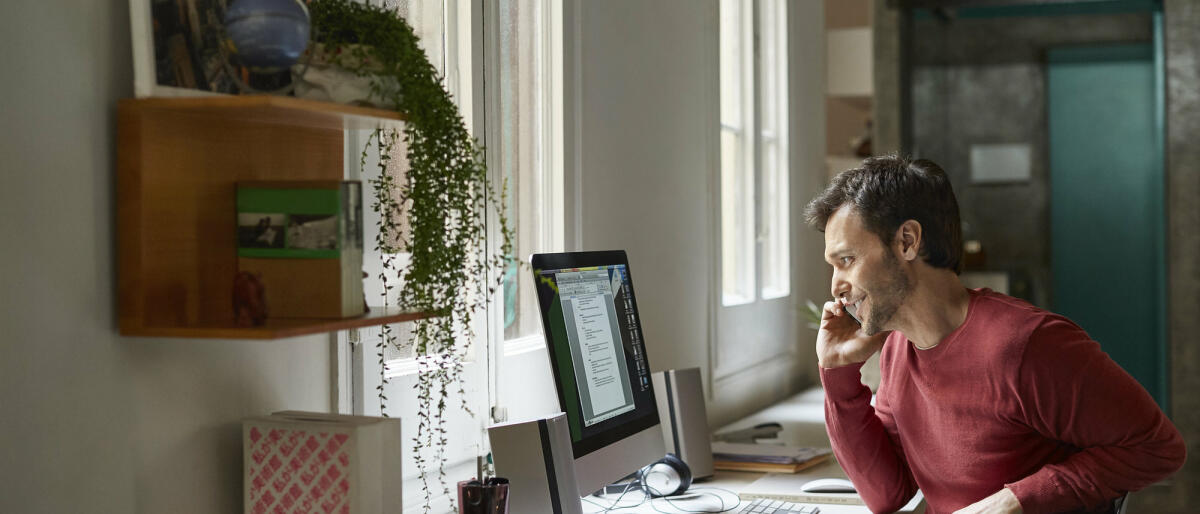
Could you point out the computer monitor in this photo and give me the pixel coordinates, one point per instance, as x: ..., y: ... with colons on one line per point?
x: 598, y: 359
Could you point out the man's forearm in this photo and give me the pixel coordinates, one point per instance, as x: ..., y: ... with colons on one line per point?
x: 1076, y: 394
x: 862, y: 443
x: 1097, y: 475
x: 1003, y: 501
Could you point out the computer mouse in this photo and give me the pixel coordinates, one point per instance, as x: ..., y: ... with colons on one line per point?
x: 828, y: 485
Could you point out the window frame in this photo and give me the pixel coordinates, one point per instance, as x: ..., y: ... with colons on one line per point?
x: 760, y: 268
x: 754, y: 332
x: 550, y: 181
x: 767, y: 287
x: 353, y: 354
x: 738, y: 280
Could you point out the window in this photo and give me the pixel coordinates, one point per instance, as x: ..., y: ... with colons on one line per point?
x: 520, y: 125
x: 755, y: 247
x: 773, y: 141
x: 444, y: 30
x: 754, y: 315
x: 529, y: 151
x: 738, y: 262
x: 524, y: 108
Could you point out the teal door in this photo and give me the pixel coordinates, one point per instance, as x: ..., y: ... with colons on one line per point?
x: 1107, y: 210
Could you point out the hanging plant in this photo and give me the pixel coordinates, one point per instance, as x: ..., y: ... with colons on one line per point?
x: 445, y: 197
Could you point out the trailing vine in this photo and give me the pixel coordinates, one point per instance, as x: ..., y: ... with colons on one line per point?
x: 445, y: 196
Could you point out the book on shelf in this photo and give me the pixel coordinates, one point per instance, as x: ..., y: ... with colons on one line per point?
x: 766, y: 457
x: 304, y: 242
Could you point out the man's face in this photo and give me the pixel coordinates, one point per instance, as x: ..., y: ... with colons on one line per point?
x: 866, y: 273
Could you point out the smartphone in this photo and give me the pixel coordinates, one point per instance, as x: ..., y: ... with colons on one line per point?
x: 853, y: 312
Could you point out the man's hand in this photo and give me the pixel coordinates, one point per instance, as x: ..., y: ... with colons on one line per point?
x: 1001, y: 502
x: 840, y: 342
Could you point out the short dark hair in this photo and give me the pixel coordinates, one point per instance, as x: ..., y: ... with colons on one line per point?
x: 887, y: 191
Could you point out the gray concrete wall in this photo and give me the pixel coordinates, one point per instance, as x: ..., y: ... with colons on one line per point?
x: 887, y: 29
x: 1182, y: 45
x: 91, y: 421
x: 981, y: 81
x: 954, y: 62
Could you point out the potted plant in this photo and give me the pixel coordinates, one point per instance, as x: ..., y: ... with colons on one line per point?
x: 444, y: 200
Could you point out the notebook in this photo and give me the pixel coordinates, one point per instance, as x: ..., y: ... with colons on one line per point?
x: 766, y: 458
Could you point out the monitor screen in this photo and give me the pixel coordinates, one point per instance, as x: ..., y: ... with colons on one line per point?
x: 594, y: 338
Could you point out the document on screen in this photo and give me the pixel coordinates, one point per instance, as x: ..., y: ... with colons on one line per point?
x: 598, y: 356
x: 598, y: 345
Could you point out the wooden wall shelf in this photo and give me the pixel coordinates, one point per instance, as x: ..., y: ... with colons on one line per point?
x: 281, y: 110
x: 178, y: 162
x: 277, y: 328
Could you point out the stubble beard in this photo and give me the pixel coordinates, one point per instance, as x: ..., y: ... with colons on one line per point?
x: 888, y: 297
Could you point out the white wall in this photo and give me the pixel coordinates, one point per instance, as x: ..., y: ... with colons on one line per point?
x: 94, y: 422
x: 806, y: 21
x: 642, y: 100
x: 748, y: 390
x: 90, y: 421
x: 649, y: 119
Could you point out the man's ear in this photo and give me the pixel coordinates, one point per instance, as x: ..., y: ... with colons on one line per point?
x: 908, y: 240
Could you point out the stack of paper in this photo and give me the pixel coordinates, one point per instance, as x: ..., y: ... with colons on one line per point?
x: 766, y: 458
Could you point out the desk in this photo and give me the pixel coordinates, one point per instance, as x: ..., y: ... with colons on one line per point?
x: 803, y: 420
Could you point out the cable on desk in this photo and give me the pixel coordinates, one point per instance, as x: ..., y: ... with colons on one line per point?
x: 649, y: 493
x: 654, y: 492
x: 690, y: 489
x: 648, y: 497
x: 628, y: 487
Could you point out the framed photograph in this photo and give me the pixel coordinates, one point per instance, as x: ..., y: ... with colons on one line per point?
x: 261, y: 230
x: 179, y: 50
x: 313, y: 231
x: 1010, y: 163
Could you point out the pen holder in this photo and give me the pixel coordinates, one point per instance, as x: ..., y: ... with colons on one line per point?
x: 488, y: 497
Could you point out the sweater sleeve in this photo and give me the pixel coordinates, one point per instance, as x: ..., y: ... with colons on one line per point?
x: 1071, y: 391
x: 865, y: 440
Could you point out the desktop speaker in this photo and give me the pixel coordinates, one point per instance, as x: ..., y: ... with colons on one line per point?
x: 680, y: 397
x: 536, y: 458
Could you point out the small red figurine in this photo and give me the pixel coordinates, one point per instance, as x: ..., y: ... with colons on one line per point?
x: 249, y: 300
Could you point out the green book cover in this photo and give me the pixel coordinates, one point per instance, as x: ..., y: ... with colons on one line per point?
x: 305, y: 221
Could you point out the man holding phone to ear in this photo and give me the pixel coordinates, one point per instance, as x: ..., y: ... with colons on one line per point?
x: 986, y: 403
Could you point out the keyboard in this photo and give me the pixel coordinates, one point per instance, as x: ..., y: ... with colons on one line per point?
x: 765, y: 506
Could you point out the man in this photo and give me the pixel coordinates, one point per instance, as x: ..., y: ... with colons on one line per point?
x: 986, y: 403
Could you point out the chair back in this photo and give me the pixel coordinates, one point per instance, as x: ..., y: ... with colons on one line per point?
x: 1121, y: 505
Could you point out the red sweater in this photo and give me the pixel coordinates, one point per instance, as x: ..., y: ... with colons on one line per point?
x: 1016, y: 397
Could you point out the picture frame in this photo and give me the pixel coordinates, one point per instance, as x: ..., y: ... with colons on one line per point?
x: 178, y: 50
x: 1001, y: 163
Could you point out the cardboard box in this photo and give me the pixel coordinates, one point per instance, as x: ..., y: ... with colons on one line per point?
x: 299, y: 462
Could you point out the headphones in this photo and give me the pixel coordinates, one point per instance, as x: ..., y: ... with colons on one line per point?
x: 667, y: 476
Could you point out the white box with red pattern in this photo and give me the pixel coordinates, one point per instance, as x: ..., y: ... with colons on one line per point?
x: 307, y: 462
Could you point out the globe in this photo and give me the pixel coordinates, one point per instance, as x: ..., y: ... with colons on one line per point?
x: 267, y: 35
